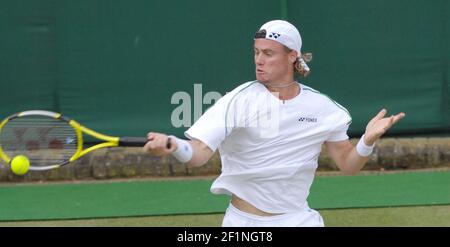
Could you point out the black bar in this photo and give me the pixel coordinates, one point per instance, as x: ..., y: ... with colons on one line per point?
x: 241, y: 237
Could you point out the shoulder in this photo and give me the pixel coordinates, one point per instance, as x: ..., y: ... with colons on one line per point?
x: 326, y: 104
x: 244, y: 88
x: 240, y: 91
x: 237, y: 94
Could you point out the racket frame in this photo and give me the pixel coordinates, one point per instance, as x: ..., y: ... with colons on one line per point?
x: 109, y: 141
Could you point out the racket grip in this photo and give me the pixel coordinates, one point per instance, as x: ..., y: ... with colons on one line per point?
x: 138, y: 142
x: 132, y: 141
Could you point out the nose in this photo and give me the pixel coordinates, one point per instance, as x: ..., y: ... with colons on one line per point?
x: 259, y: 59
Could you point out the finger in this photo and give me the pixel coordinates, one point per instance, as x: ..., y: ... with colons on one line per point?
x: 148, y: 146
x: 380, y: 114
x: 158, y: 142
x: 144, y: 148
x: 399, y: 116
x: 164, y: 143
x: 151, y: 136
x: 389, y: 123
x: 167, y: 146
x: 154, y: 148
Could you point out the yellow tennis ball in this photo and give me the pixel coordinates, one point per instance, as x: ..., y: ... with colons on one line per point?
x: 20, y: 165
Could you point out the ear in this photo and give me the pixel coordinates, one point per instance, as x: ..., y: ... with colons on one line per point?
x: 292, y: 56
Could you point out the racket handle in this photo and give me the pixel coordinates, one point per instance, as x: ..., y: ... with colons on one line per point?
x: 138, y: 142
x: 132, y: 141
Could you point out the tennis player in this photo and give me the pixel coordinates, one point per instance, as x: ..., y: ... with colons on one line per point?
x: 269, y: 133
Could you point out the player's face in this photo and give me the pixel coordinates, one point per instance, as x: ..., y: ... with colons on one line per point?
x: 273, y: 64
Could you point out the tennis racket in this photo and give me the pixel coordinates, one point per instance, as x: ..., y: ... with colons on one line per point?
x: 51, y: 140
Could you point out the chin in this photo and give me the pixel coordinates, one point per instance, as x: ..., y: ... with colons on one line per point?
x: 261, y: 79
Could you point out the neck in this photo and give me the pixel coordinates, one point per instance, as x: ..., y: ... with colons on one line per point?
x: 284, y: 91
x: 275, y: 85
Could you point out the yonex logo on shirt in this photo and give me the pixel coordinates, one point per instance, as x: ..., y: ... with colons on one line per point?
x: 308, y: 119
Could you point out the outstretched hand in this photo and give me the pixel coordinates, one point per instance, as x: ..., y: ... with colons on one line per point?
x: 379, y: 125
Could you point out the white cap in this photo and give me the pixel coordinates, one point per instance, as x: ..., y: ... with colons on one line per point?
x: 282, y: 32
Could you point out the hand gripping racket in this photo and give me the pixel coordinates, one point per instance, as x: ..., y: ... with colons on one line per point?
x: 51, y: 140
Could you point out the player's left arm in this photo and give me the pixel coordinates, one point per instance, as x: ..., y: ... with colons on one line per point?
x: 347, y: 157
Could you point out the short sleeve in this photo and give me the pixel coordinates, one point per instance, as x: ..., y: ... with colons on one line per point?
x: 210, y: 127
x: 219, y: 120
x: 342, y: 122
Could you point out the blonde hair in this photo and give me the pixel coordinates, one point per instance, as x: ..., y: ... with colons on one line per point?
x: 300, y: 66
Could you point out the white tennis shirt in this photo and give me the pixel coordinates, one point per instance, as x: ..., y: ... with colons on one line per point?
x: 269, y: 147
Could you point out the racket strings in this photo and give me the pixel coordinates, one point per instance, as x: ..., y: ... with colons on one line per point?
x: 44, y: 140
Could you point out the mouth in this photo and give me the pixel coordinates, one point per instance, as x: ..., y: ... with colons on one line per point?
x: 259, y: 71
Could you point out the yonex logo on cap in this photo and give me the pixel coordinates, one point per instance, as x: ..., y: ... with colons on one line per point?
x: 274, y: 35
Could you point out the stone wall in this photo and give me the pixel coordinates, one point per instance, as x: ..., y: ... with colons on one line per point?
x: 389, y: 154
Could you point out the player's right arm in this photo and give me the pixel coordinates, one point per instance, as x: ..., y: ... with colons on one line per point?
x: 202, y: 153
x: 157, y: 146
x: 205, y: 136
